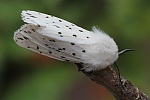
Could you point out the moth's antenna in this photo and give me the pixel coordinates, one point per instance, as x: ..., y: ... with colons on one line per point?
x: 115, y: 64
x: 125, y: 50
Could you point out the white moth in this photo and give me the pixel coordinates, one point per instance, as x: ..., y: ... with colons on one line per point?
x: 62, y: 40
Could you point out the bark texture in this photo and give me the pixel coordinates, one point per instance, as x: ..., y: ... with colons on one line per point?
x: 110, y: 80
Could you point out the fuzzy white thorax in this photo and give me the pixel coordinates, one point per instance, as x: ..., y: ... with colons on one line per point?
x: 102, y: 53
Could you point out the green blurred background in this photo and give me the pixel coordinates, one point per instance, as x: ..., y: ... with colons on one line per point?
x: 25, y: 75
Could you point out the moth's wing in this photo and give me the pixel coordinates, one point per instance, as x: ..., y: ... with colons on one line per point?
x: 58, y: 29
x: 27, y: 37
x: 54, y: 25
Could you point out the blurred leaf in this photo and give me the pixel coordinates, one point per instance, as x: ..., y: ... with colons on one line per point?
x: 44, y: 84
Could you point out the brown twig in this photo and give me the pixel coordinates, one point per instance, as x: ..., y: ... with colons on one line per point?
x: 109, y: 79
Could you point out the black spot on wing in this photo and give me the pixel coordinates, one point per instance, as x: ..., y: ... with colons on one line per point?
x: 46, y: 44
x: 50, y: 52
x: 83, y: 51
x: 56, y: 26
x: 58, y: 50
x: 72, y: 43
x: 63, y: 48
x: 73, y: 54
x: 74, y: 35
x: 37, y: 47
x: 63, y: 57
x: 52, y: 40
x: 38, y: 25
x: 59, y: 33
x: 20, y: 38
x: 60, y: 20
x: 33, y: 30
x: 80, y: 30
x: 28, y: 13
x: 33, y: 16
x: 25, y: 31
x: 66, y: 25
x: 46, y: 17
x: 67, y: 60
x: 25, y: 38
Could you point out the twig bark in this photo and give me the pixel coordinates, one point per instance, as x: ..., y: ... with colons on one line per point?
x: 109, y: 79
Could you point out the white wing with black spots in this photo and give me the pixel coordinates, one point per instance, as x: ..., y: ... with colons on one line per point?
x: 56, y: 24
x: 62, y: 40
x: 27, y: 37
